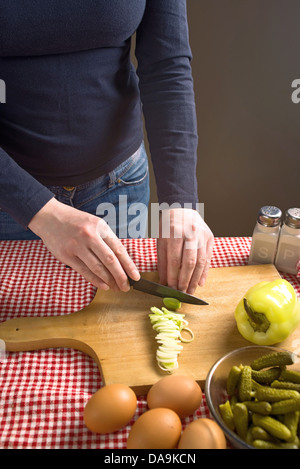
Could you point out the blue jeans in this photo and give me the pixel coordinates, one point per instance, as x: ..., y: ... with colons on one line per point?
x: 121, y: 197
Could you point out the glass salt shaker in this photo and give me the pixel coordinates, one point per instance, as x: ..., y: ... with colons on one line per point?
x: 265, y: 236
x: 288, y: 253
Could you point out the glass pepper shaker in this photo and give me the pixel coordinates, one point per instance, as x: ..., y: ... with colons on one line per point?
x: 288, y: 252
x: 265, y: 235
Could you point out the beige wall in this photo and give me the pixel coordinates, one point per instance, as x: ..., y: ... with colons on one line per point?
x: 245, y: 57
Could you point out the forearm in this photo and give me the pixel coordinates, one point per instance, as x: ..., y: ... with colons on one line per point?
x: 21, y: 195
x: 173, y: 150
x: 167, y: 94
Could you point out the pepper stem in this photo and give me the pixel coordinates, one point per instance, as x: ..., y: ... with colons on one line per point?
x: 258, y: 321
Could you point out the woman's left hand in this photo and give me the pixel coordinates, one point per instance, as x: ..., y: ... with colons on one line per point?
x: 184, y: 249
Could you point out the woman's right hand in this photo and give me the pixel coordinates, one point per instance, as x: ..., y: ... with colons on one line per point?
x: 86, y: 243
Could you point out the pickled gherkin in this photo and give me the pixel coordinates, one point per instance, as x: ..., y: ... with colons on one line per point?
x: 266, y: 376
x: 245, y: 384
x: 285, y: 406
x: 272, y: 426
x: 241, y: 418
x: 259, y: 433
x: 291, y: 420
x: 290, y: 375
x: 273, y: 359
x: 263, y: 444
x: 259, y: 407
x: 227, y: 414
x: 233, y: 379
x: 285, y: 385
x: 267, y: 393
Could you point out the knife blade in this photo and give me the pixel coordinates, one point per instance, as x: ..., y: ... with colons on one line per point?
x: 163, y: 291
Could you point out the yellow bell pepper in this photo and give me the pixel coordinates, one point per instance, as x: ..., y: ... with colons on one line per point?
x: 268, y: 313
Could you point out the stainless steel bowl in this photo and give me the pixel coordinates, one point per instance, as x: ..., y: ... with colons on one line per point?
x: 215, y: 385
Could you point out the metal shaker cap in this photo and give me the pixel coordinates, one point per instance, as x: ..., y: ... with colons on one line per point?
x: 269, y: 216
x: 292, y: 218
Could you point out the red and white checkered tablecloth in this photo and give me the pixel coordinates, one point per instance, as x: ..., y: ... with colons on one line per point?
x: 43, y: 393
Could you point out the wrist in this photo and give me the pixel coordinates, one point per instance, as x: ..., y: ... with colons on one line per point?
x: 43, y: 215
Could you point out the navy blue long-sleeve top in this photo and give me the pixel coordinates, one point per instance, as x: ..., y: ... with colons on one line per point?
x: 74, y: 100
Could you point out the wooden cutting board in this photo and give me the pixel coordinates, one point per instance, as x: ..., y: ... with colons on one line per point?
x: 114, y: 329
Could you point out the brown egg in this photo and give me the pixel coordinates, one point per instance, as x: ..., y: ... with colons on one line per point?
x: 203, y: 433
x: 177, y: 392
x: 155, y: 429
x: 110, y: 408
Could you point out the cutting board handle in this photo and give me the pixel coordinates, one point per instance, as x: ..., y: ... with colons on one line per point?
x: 34, y: 333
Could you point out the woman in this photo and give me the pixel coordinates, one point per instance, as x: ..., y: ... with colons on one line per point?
x: 71, y: 133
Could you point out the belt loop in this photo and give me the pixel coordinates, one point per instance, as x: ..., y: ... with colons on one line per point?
x: 112, y: 178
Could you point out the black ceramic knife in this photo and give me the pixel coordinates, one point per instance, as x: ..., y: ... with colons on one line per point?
x: 163, y: 291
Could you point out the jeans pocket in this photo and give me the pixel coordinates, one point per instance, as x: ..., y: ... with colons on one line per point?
x: 136, y: 170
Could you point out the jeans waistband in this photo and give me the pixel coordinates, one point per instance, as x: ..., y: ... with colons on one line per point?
x: 110, y: 177
x: 67, y: 193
